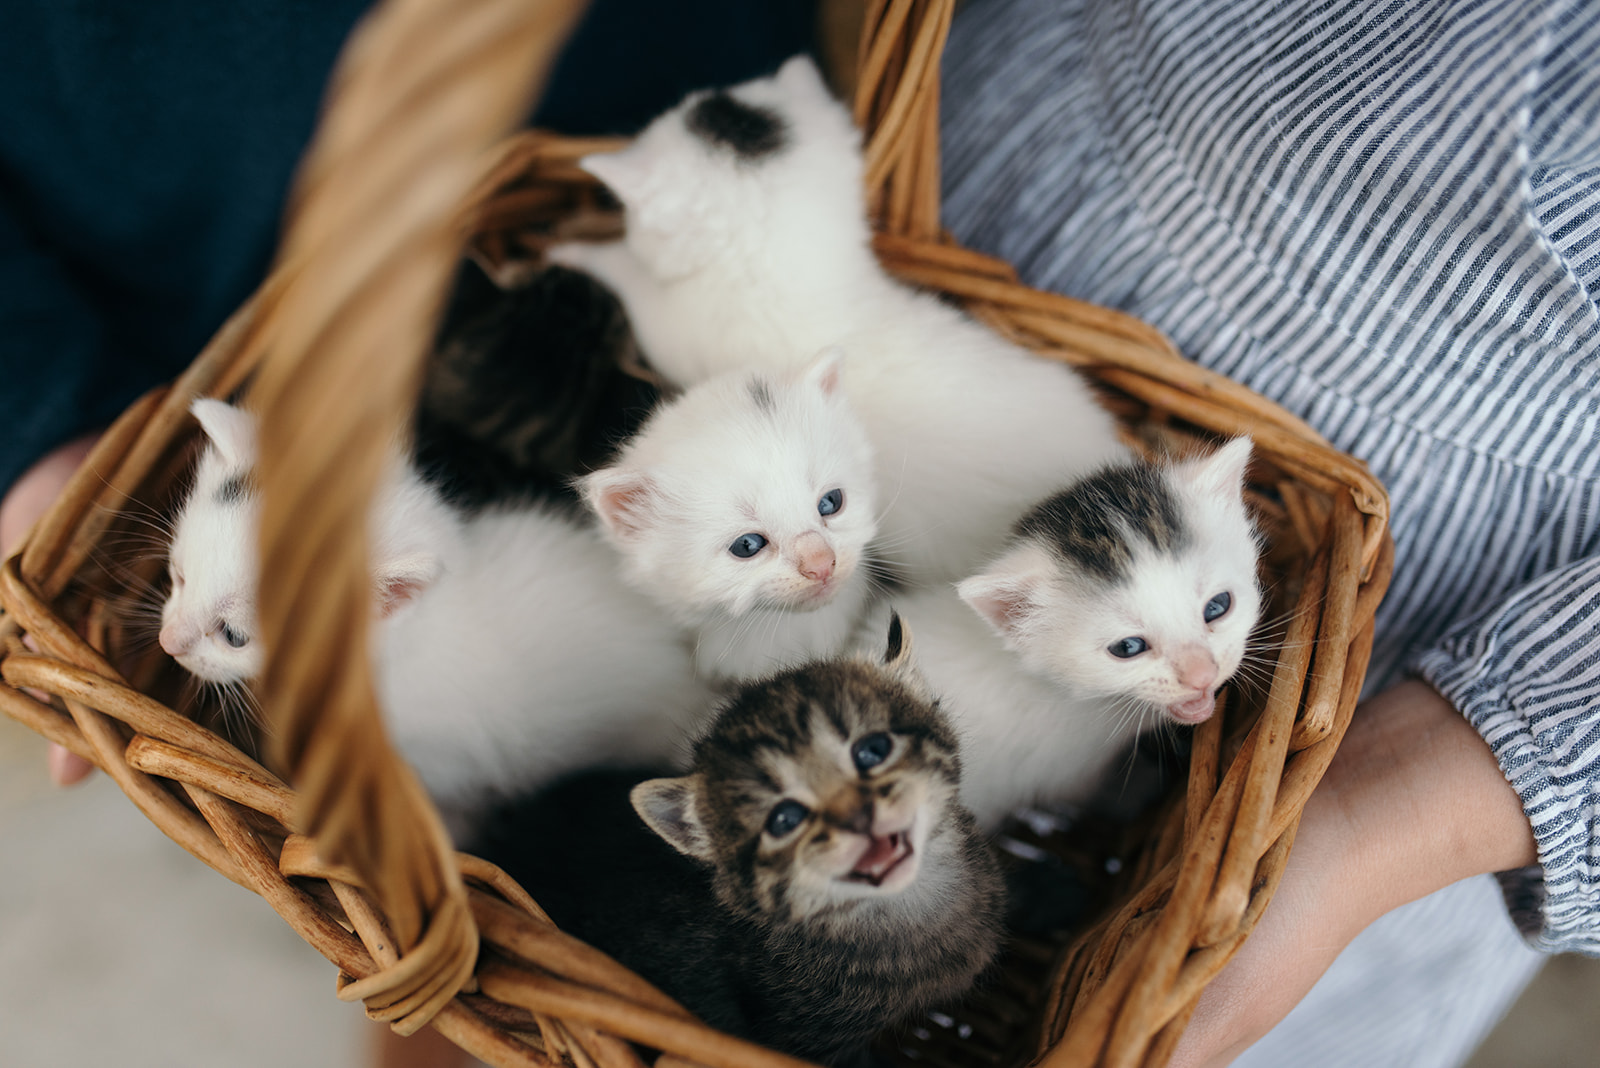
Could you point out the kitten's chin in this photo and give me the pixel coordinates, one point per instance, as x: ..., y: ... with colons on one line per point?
x: 206, y: 671
x: 1194, y: 710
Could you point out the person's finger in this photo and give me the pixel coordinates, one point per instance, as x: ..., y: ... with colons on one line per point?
x: 39, y: 485
x: 67, y: 767
x: 22, y: 505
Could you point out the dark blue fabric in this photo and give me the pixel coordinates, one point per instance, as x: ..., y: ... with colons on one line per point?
x: 146, y: 149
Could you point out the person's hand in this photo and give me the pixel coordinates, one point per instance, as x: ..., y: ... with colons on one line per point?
x: 24, y: 503
x: 1413, y: 802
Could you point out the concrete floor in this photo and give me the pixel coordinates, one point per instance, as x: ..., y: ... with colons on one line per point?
x: 117, y: 948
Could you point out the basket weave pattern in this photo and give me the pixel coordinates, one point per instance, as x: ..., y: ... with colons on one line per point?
x: 354, y: 857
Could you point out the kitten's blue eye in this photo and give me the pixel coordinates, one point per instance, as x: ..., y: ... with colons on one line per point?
x: 747, y: 545
x: 831, y: 502
x: 786, y: 815
x: 234, y: 638
x: 1218, y: 607
x: 1127, y: 648
x: 871, y: 751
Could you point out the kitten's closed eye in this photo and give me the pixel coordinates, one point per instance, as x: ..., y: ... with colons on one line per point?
x: 1218, y: 607
x: 786, y: 815
x: 871, y: 751
x: 747, y: 545
x: 1127, y: 648
x: 832, y: 502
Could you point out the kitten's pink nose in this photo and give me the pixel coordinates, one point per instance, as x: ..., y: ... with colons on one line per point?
x: 813, y: 556
x: 178, y: 638
x: 1196, y: 669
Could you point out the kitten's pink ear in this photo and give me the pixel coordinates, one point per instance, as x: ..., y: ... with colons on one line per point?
x: 668, y: 808
x: 825, y: 371
x: 1222, y: 473
x: 622, y: 172
x: 624, y: 500
x: 399, y: 582
x: 1007, y: 596
x: 232, y: 430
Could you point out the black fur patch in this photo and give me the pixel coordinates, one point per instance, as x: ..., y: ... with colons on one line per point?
x: 1092, y: 522
x: 234, y: 488
x: 752, y: 132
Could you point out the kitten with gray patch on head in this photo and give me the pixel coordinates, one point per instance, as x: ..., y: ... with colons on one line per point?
x: 1125, y: 598
x: 745, y: 508
x: 822, y: 880
x: 506, y: 651
x: 747, y: 246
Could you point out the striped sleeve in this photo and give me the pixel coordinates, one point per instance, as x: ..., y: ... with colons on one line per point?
x: 1527, y: 675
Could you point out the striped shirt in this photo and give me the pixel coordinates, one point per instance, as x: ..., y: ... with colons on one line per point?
x: 1385, y: 217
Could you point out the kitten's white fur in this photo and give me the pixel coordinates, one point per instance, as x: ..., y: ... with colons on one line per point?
x: 730, y: 263
x: 506, y: 653
x: 747, y: 453
x: 1023, y: 667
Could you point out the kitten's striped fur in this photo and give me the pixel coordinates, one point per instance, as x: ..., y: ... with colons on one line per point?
x: 777, y: 936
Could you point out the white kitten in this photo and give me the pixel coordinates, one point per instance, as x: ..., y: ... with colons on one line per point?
x: 506, y: 650
x: 1131, y: 592
x: 745, y: 508
x: 748, y: 246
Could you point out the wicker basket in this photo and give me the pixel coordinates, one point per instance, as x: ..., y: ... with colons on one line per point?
x: 354, y: 857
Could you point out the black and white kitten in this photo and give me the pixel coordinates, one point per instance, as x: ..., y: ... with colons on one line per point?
x: 815, y: 878
x: 1124, y: 600
x: 748, y: 247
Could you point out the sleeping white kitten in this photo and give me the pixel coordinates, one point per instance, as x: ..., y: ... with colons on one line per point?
x: 747, y: 246
x: 744, y: 507
x: 1128, y: 595
x: 506, y: 650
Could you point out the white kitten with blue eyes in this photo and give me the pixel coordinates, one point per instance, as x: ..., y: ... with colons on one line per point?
x: 208, y: 621
x: 506, y: 650
x: 745, y: 508
x: 1124, y: 600
x: 747, y: 246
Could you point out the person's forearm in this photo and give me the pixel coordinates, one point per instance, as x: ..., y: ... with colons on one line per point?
x: 1413, y: 801
x: 1423, y: 800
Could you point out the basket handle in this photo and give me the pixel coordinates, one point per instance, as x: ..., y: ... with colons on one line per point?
x: 422, y: 90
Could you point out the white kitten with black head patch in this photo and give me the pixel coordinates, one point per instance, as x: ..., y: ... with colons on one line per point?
x: 1128, y: 595
x: 506, y: 649
x: 208, y: 622
x: 745, y: 508
x: 748, y: 246
x: 208, y: 619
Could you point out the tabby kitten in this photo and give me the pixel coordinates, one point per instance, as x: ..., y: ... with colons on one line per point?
x: 815, y: 878
x: 526, y: 387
